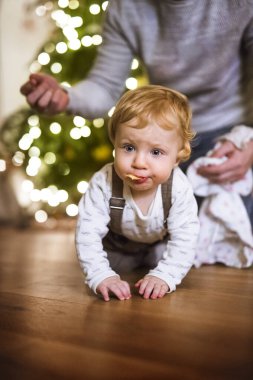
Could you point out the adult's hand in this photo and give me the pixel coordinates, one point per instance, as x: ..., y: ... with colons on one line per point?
x: 44, y: 94
x: 236, y: 166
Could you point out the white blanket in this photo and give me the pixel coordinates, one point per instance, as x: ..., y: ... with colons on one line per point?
x: 225, y: 229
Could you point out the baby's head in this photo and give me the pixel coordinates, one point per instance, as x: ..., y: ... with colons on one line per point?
x: 165, y: 107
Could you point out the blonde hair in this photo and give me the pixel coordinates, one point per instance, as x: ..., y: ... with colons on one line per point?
x: 166, y: 107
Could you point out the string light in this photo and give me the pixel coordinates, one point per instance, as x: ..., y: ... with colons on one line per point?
x: 97, y: 39
x: 41, y: 216
x: 85, y: 131
x: 94, y: 9
x: 73, y: 4
x: 35, y: 67
x: 25, y: 142
x: 110, y: 113
x: 34, y: 151
x: 61, y: 47
x: 75, y: 133
x: 79, y: 121
x: 2, y: 165
x: 33, y: 120
x: 82, y: 186
x: 63, y: 3
x: 35, y: 132
x: 104, y: 5
x: 41, y: 10
x: 72, y: 210
x: 56, y: 68
x: 86, y: 41
x: 35, y: 195
x: 38, y: 161
x: 131, y: 83
x: 55, y: 128
x: 50, y: 158
x: 18, y: 158
x: 135, y: 64
x: 44, y: 58
x: 98, y: 123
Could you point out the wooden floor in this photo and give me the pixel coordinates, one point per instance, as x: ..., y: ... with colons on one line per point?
x: 52, y: 327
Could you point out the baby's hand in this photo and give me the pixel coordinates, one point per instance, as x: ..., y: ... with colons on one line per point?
x: 116, y: 286
x: 152, y: 287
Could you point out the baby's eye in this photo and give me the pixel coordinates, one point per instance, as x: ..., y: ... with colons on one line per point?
x: 156, y: 152
x: 128, y: 148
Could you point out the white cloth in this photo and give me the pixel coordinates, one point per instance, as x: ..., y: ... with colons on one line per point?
x: 225, y: 230
x: 94, y: 216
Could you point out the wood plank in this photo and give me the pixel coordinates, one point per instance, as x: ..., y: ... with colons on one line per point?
x: 52, y: 326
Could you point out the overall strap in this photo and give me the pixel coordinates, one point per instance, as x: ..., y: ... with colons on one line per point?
x: 166, y: 197
x: 117, y: 203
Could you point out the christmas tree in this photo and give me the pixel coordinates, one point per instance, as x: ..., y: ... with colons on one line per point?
x: 59, y: 154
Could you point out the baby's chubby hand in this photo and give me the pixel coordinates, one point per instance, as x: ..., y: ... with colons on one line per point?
x: 152, y: 287
x: 115, y: 285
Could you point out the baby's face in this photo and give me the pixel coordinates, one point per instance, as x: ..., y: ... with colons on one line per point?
x: 145, y: 157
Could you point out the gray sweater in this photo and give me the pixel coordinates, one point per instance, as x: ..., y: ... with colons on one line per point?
x: 201, y: 48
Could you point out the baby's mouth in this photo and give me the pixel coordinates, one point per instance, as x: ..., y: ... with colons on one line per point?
x: 133, y: 177
x: 136, y: 179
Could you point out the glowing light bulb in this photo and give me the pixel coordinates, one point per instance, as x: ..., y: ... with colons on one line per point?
x: 2, y: 165
x: 110, y: 113
x: 86, y: 41
x: 63, y: 3
x: 79, y: 121
x: 34, y: 151
x: 94, y: 9
x: 62, y: 195
x: 72, y: 210
x: 50, y: 158
x: 76, y: 22
x: 27, y: 186
x: 35, y: 195
x: 18, y: 158
x: 41, y: 216
x: 131, y: 83
x: 98, y: 123
x: 33, y: 120
x: 82, y: 186
x: 41, y: 10
x: 35, y: 67
x: 75, y: 133
x: 135, y: 64
x: 25, y: 142
x: 73, y: 4
x: 61, y: 47
x: 55, y: 128
x: 56, y: 68
x: 44, y: 58
x: 97, y: 39
x: 85, y: 131
x: 104, y: 5
x: 35, y: 132
x: 74, y: 44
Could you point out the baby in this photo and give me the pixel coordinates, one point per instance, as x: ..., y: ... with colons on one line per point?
x: 140, y: 209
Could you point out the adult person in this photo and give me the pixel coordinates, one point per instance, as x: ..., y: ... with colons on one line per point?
x: 202, y: 49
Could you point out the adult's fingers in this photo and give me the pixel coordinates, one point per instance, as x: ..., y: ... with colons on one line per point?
x: 26, y: 88
x: 45, y: 100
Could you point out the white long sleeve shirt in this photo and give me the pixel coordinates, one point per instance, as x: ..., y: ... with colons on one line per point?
x: 94, y: 217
